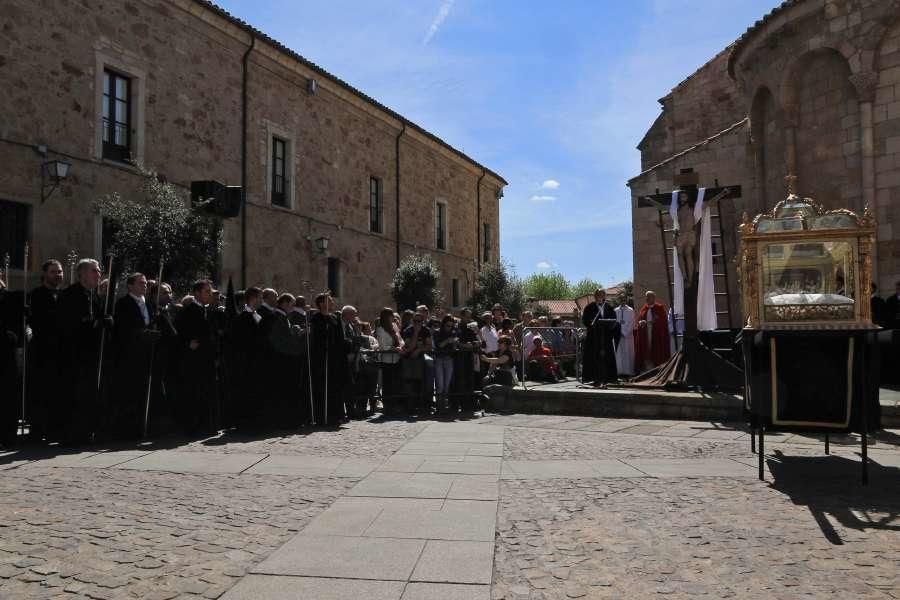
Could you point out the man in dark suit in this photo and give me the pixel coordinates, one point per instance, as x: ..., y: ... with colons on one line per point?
x: 82, y: 324
x: 196, y: 398
x: 45, y: 364
x: 134, y: 341
x: 284, y: 340
x: 599, y: 362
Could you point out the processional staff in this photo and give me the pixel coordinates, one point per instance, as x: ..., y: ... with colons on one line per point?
x: 24, y: 331
x: 103, y: 329
x: 156, y: 314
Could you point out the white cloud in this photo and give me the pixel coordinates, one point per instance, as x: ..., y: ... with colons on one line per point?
x: 544, y: 265
x: 439, y: 18
x: 550, y: 184
x: 540, y: 199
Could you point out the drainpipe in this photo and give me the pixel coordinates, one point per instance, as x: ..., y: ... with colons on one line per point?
x: 478, y: 222
x: 244, y: 63
x: 397, y: 189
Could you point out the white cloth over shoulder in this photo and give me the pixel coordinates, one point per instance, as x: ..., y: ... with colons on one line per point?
x: 625, y: 349
x: 706, y: 290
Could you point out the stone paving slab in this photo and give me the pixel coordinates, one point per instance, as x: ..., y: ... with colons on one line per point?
x: 455, y: 562
x: 451, y: 449
x: 193, y: 462
x: 446, y: 591
x: 352, y: 516
x: 386, y: 484
x: 317, y: 466
x: 384, y: 559
x: 567, y: 469
x: 691, y: 467
x: 267, y: 587
x: 464, y: 520
x: 469, y: 465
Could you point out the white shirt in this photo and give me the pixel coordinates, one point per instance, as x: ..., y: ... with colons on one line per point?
x: 489, y: 335
x: 142, y: 304
x: 256, y: 316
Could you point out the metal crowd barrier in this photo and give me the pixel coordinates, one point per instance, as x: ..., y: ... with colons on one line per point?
x: 569, y: 349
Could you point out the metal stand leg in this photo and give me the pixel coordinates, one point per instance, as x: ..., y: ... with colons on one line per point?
x: 865, y: 455
x: 827, y: 444
x: 753, y: 440
x: 762, y: 453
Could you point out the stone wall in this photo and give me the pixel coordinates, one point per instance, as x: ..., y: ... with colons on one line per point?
x: 185, y: 60
x: 820, y: 82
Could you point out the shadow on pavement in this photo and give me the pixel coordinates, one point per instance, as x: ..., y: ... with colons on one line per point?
x: 829, y: 486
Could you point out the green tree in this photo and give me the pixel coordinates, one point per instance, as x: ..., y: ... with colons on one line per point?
x: 415, y: 282
x: 585, y: 286
x: 497, y: 283
x: 547, y: 286
x: 159, y: 224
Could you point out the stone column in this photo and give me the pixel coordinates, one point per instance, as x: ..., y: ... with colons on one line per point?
x: 790, y: 117
x: 865, y: 83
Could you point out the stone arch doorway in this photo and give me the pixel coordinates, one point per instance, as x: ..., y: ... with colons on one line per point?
x: 768, y: 149
x: 822, y: 114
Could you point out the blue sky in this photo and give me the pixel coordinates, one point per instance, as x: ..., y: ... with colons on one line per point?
x: 554, y: 96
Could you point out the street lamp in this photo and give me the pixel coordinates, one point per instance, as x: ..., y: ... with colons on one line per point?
x: 322, y: 244
x: 56, y: 171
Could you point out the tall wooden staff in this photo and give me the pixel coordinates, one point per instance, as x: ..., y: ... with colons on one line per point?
x: 24, y: 333
x: 109, y: 286
x: 6, y: 261
x: 312, y: 408
x: 153, y: 343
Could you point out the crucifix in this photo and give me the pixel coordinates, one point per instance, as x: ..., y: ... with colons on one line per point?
x: 694, y: 364
x: 687, y: 233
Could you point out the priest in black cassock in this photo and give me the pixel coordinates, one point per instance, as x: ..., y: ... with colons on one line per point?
x: 82, y: 324
x: 196, y: 397
x: 599, y: 357
x: 328, y: 363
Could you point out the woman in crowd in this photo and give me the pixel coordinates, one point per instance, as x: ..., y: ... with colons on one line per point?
x: 445, y: 342
x: 390, y: 344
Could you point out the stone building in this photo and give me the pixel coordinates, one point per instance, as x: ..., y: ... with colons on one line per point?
x: 197, y: 94
x: 811, y: 89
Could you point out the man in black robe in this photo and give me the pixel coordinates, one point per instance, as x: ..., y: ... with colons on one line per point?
x: 196, y: 396
x: 166, y: 357
x: 284, y: 338
x: 134, y: 339
x: 327, y: 356
x: 82, y: 324
x: 9, y: 399
x: 45, y: 364
x: 246, y: 348
x: 599, y: 357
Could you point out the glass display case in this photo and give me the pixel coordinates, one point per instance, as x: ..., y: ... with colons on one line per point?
x: 805, y: 268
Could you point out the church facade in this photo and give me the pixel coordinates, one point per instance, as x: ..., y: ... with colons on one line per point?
x: 812, y: 90
x: 196, y: 94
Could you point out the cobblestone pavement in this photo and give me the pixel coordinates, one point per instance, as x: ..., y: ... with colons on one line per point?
x: 116, y: 534
x: 572, y: 522
x: 356, y: 439
x: 697, y: 538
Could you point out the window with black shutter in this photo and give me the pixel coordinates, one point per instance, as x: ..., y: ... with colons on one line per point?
x: 375, y: 222
x: 440, y: 226
x: 335, y: 277
x: 116, y: 116
x: 279, y: 181
x: 454, y: 292
x: 13, y: 233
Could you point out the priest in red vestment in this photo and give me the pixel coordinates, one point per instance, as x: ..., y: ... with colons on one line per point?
x: 651, y: 335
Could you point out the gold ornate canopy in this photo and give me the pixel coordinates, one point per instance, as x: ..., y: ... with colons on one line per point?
x: 802, y: 267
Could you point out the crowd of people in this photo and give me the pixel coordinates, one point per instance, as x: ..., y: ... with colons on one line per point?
x: 101, y: 367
